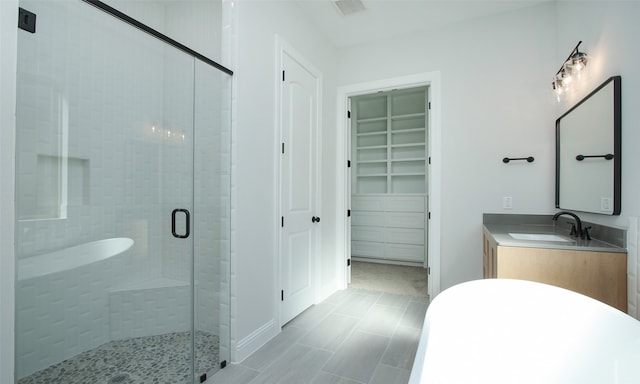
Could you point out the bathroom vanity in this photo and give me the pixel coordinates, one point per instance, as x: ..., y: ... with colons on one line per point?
x: 529, y: 247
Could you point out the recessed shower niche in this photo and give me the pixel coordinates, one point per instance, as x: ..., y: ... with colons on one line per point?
x: 58, y: 183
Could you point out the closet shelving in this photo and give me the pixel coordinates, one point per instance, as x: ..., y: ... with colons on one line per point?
x: 389, y: 156
x: 389, y: 139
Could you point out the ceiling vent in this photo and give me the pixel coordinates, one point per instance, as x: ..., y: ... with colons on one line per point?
x: 349, y: 7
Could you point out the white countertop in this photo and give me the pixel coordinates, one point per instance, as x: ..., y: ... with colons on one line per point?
x: 514, y: 331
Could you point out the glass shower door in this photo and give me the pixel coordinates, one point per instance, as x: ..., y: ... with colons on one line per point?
x: 212, y: 206
x: 105, y: 213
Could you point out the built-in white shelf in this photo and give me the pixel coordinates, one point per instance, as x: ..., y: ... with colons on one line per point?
x: 389, y: 138
x: 389, y: 168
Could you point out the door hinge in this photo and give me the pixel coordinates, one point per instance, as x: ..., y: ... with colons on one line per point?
x: 429, y: 105
x: 26, y: 20
x: 282, y: 221
x: 283, y: 148
x: 348, y: 262
x: 428, y: 270
x: 429, y: 160
x: 282, y: 295
x: 282, y: 75
x: 348, y: 114
x: 429, y: 215
x: 348, y: 163
x: 348, y: 213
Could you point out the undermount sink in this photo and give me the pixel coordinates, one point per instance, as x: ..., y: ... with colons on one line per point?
x: 538, y: 237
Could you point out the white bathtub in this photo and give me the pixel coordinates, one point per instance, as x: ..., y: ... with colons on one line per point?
x: 514, y: 331
x: 72, y: 257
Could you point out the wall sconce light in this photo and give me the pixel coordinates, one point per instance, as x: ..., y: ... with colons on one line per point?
x: 570, y: 69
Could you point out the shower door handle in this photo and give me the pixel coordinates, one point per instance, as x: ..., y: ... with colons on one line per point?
x: 173, y: 223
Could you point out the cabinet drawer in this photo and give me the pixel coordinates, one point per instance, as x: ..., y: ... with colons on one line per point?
x: 388, y: 203
x: 368, y: 204
x: 388, y: 235
x: 405, y: 204
x: 404, y: 252
x: 405, y: 236
x: 367, y: 249
x: 371, y: 219
x: 368, y: 233
x: 405, y: 220
x: 390, y: 219
x: 399, y: 252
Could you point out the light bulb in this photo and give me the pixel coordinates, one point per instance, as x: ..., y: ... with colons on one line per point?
x: 577, y: 63
x: 578, y: 71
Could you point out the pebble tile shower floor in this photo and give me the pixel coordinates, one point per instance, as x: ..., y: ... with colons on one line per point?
x: 154, y: 359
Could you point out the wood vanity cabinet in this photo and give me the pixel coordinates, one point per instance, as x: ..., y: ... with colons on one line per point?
x: 600, y: 275
x: 489, y: 251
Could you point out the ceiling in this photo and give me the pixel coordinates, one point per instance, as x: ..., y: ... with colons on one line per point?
x: 390, y: 18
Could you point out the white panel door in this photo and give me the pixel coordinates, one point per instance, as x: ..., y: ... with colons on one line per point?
x: 298, y: 189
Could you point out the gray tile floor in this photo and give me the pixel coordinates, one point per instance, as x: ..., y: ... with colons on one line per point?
x: 353, y: 337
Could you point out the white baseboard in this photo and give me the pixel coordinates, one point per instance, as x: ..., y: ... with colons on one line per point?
x: 255, y: 340
x: 329, y: 290
x: 388, y: 261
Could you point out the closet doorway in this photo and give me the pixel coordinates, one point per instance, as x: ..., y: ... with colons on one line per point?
x: 389, y: 199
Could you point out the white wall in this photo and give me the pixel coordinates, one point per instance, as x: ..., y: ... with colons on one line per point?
x: 255, y: 262
x: 495, y: 103
x: 194, y: 23
x: 609, y: 31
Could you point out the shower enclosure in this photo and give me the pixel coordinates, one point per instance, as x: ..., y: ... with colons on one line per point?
x: 123, y: 201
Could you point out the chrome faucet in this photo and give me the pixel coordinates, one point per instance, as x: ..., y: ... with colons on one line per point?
x: 576, y: 230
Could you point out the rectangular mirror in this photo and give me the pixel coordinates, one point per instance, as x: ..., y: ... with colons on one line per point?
x: 588, y: 152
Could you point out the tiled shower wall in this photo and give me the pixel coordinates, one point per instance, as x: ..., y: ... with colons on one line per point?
x: 104, y: 85
x: 107, y: 101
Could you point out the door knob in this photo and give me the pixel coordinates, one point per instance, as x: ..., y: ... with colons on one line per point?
x: 315, y: 219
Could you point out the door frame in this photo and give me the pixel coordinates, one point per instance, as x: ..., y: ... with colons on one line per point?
x: 343, y: 235
x: 283, y: 47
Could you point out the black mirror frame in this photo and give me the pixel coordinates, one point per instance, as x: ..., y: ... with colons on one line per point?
x: 617, y: 142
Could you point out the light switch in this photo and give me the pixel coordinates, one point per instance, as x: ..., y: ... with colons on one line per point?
x: 507, y: 202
